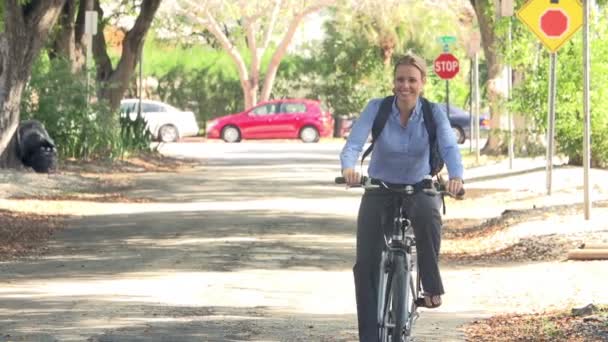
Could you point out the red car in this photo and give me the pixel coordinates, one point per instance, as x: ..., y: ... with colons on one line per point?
x: 305, y: 119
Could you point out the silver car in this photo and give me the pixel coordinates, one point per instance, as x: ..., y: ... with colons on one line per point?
x: 165, y: 122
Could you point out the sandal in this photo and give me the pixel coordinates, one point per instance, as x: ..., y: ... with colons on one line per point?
x: 428, y: 301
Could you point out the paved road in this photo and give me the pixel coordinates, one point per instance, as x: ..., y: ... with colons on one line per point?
x: 256, y: 244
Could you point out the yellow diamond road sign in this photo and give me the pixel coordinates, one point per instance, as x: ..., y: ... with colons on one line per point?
x: 553, y: 21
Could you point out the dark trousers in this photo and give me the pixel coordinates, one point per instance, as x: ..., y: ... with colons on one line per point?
x: 375, y: 215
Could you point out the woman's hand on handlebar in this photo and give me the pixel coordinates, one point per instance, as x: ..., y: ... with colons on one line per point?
x: 351, y: 176
x: 454, y: 186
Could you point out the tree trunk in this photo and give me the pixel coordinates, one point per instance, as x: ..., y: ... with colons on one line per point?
x: 69, y: 41
x: 254, y: 83
x: 114, y: 82
x: 485, y: 18
x: 26, y: 29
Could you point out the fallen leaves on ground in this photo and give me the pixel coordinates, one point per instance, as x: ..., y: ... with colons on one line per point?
x: 534, y: 248
x: 537, y: 248
x: 143, y: 162
x: 26, y: 234
x: 104, y: 197
x: 555, y: 326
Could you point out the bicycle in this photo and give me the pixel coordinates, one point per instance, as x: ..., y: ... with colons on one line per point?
x: 398, y: 293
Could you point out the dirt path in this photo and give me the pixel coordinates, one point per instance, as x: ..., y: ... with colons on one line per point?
x: 259, y: 250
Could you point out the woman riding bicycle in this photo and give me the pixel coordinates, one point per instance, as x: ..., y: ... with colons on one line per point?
x: 401, y: 156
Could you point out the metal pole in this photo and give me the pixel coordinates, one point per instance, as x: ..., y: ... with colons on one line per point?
x: 510, y: 115
x: 447, y: 97
x: 471, y: 106
x: 551, y: 121
x: 90, y: 29
x: 476, y: 85
x: 141, y: 62
x: 586, y: 109
x: 89, y: 42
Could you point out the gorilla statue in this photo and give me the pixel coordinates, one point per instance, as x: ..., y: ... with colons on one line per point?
x: 35, y: 148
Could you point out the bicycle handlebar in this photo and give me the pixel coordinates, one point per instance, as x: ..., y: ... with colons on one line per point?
x: 371, y: 183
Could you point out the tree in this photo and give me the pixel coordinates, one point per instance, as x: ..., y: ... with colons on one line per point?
x: 259, y: 23
x: 114, y: 81
x: 486, y: 17
x: 69, y: 42
x: 26, y: 28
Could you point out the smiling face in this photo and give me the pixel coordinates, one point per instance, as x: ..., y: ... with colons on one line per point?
x: 408, y: 83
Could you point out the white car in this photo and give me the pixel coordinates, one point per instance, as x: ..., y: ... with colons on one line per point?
x: 166, y: 122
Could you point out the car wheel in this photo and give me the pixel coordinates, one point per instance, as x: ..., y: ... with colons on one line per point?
x: 231, y: 134
x: 459, y: 133
x: 309, y: 134
x: 168, y: 133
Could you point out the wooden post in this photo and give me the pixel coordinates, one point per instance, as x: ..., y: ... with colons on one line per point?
x: 588, y: 254
x: 594, y: 246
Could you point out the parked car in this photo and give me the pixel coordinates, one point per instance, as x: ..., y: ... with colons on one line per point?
x: 459, y: 120
x: 165, y: 122
x: 307, y: 120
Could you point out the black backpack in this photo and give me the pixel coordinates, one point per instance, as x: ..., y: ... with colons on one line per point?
x: 435, y: 160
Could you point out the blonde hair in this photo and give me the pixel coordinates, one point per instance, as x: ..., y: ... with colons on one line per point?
x: 413, y: 60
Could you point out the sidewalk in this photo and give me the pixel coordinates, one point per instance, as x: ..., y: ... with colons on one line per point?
x: 502, y: 169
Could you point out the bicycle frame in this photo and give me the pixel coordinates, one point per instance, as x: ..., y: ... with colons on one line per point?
x: 400, y: 243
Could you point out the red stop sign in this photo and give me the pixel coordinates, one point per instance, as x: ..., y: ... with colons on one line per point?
x: 554, y: 23
x: 446, y: 66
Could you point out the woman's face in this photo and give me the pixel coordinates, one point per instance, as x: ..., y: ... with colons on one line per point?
x: 408, y: 83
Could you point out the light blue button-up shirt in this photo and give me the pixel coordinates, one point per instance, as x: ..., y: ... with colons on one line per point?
x: 401, y: 154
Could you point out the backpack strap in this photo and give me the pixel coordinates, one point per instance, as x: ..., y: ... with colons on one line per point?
x: 386, y: 106
x: 431, y: 129
x: 429, y: 121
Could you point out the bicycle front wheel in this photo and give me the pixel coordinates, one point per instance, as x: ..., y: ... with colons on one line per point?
x: 399, y: 294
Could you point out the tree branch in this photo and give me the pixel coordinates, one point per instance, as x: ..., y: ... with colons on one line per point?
x: 211, y: 24
x: 282, y: 48
x: 255, y: 58
x: 271, y: 24
x: 100, y: 50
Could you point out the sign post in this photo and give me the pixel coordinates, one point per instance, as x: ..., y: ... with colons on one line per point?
x: 90, y: 29
x: 554, y: 22
x: 446, y: 67
x: 587, y: 120
x: 473, y: 51
x: 551, y: 121
x: 506, y: 10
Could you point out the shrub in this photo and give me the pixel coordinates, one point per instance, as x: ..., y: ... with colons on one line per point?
x: 81, y: 130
